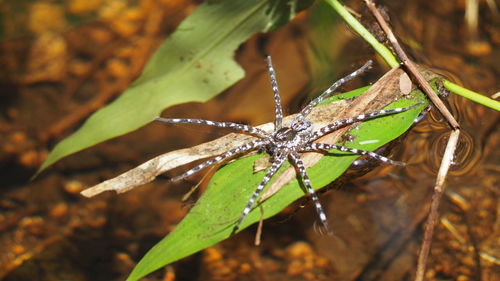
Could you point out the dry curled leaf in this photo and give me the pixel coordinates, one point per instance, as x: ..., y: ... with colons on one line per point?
x: 149, y: 170
x: 383, y: 92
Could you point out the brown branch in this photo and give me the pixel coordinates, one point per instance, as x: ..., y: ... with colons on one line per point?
x: 450, y: 147
x: 148, y: 171
x: 258, y: 235
x: 411, y: 67
x: 436, y: 199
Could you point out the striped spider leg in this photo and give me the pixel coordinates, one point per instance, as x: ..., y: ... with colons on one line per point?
x: 286, y: 143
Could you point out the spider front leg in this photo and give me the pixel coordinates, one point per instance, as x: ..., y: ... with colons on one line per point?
x: 277, y: 162
x: 238, y: 150
x: 306, y: 110
x: 341, y: 123
x: 235, y: 126
x: 327, y: 147
x: 278, y: 121
x: 297, y: 162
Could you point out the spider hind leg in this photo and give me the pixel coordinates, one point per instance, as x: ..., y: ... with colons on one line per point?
x: 270, y: 173
x: 299, y: 165
x: 324, y: 147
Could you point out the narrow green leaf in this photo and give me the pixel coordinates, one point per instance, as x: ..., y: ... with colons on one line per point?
x: 473, y: 96
x: 194, y: 64
x: 215, y: 214
x: 369, y: 38
x: 391, y: 60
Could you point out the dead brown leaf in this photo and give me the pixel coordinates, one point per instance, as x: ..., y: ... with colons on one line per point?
x: 383, y: 92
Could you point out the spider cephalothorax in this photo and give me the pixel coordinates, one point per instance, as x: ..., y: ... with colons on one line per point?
x: 290, y: 137
x: 286, y: 143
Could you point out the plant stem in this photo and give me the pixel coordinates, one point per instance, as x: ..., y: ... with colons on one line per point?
x: 473, y: 96
x: 380, y: 48
x: 391, y: 60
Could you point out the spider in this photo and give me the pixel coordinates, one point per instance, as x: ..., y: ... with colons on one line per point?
x: 286, y: 143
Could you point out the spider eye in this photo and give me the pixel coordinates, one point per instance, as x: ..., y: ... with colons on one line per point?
x: 284, y: 134
x: 300, y: 125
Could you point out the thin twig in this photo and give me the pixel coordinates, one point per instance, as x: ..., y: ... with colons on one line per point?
x: 148, y: 171
x: 258, y: 235
x: 391, y: 60
x: 450, y: 147
x: 188, y: 194
x: 411, y: 67
x: 436, y: 199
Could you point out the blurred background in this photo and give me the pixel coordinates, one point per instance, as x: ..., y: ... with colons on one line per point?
x: 62, y: 60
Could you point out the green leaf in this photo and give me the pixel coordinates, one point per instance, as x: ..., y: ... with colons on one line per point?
x: 194, y: 64
x: 215, y: 214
